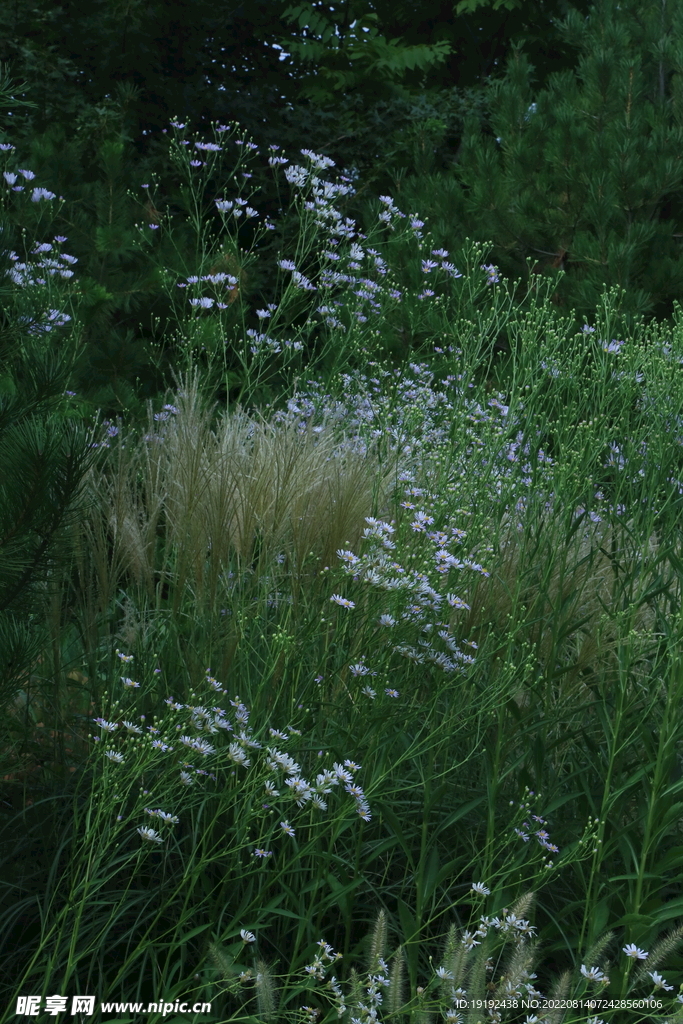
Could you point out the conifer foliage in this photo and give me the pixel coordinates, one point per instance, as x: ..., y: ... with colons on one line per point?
x: 585, y: 175
x: 45, y: 451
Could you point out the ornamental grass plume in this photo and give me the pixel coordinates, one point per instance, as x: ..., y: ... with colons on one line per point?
x: 231, y: 489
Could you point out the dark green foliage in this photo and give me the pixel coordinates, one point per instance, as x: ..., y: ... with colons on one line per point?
x: 585, y: 174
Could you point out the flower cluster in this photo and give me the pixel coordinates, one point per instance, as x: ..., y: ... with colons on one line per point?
x: 224, y: 741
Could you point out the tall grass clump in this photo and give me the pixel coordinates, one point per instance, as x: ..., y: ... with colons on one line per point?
x: 363, y: 705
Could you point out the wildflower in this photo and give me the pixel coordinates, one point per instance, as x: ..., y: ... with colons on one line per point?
x: 492, y: 273
x: 659, y: 981
x: 351, y: 765
x: 469, y: 941
x: 392, y: 693
x: 186, y: 779
x: 369, y: 692
x: 593, y: 973
x: 107, y: 726
x: 160, y: 745
x: 634, y: 952
x: 113, y: 755
x: 387, y: 620
x: 343, y: 602
x: 247, y: 936
x: 133, y: 728
x: 124, y: 657
x: 480, y: 888
x: 130, y: 683
x: 150, y: 835
x: 236, y: 754
x: 442, y: 973
x: 286, y: 827
x: 258, y: 852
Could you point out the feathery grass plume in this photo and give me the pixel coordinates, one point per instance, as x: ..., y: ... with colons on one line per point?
x: 223, y: 486
x: 266, y: 993
x: 378, y: 943
x: 558, y: 994
x: 455, y: 955
x: 224, y: 964
x: 517, y: 971
x: 396, y: 983
x: 355, y: 991
x: 523, y: 906
x: 658, y: 953
x: 597, y: 950
x: 477, y: 982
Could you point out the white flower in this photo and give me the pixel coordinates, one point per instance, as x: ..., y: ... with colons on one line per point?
x: 659, y: 981
x: 593, y: 973
x: 114, y: 755
x: 634, y: 952
x: 481, y: 889
x: 247, y: 936
x: 150, y: 835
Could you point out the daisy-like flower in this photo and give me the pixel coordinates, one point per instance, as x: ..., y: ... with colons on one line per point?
x: 124, y: 657
x: 114, y: 755
x: 343, y: 602
x: 659, y: 981
x: 171, y: 819
x: 133, y: 728
x: 105, y: 725
x: 355, y: 791
x: 469, y: 941
x: 634, y: 952
x: 186, y: 779
x: 129, y: 683
x: 160, y: 745
x: 259, y: 852
x: 247, y: 936
x: 149, y: 835
x: 236, y: 754
x: 387, y: 620
x: 351, y: 765
x: 392, y: 693
x: 286, y: 827
x: 593, y: 973
x: 442, y: 973
x: 481, y: 889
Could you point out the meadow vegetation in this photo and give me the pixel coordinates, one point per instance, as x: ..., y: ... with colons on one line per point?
x: 359, y: 694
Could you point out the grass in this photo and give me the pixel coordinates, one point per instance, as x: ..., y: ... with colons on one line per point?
x: 388, y: 668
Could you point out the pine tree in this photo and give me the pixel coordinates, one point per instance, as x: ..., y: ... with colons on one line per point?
x: 44, y: 456
x: 584, y: 175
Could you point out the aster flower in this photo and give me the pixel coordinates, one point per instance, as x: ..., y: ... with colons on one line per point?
x: 114, y: 755
x: 659, y: 981
x: 480, y: 888
x: 286, y: 827
x: 105, y: 725
x: 634, y: 952
x: 593, y: 973
x: 247, y: 936
x: 149, y: 835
